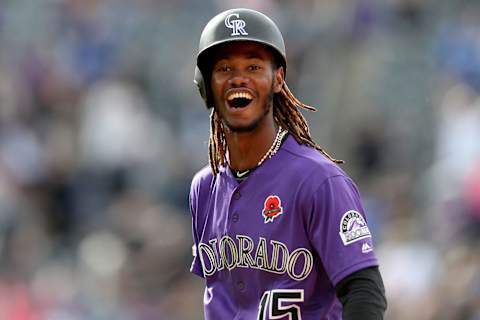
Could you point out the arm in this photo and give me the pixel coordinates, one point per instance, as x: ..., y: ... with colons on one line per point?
x: 362, y: 295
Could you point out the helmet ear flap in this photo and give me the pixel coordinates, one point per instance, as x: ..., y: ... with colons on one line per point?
x: 200, y: 83
x: 198, y: 80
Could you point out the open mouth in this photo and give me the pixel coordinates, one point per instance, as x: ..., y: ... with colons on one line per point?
x: 239, y: 99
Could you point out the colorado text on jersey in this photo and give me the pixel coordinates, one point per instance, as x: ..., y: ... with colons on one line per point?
x: 230, y: 254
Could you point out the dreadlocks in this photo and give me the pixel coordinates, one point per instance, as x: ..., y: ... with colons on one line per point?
x: 285, y: 112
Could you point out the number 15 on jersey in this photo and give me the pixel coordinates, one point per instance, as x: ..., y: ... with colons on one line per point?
x: 280, y: 303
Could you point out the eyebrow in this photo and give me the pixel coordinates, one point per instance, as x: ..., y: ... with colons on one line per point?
x: 252, y: 54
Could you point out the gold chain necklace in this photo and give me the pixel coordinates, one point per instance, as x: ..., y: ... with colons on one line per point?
x: 277, y: 142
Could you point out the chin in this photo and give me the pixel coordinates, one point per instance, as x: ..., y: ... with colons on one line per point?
x: 238, y: 128
x: 240, y: 125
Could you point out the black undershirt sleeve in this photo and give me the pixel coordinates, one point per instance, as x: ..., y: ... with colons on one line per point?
x: 362, y: 295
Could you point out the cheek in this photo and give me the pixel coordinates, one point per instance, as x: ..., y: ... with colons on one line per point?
x: 216, y: 87
x: 214, y: 83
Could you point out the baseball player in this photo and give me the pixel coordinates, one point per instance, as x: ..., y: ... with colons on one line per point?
x: 279, y: 229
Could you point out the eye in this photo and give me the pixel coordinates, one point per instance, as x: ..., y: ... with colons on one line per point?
x: 254, y: 67
x: 223, y: 68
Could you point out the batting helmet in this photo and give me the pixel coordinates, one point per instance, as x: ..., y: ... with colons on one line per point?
x: 235, y: 25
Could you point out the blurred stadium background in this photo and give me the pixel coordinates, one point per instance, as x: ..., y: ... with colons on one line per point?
x: 101, y: 130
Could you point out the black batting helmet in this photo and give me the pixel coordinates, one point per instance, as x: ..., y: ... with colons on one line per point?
x: 235, y: 25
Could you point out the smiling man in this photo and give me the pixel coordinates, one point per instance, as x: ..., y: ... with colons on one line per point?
x: 243, y: 82
x: 279, y: 229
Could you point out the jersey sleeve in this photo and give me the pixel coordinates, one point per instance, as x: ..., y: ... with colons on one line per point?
x: 338, y: 229
x: 196, y: 266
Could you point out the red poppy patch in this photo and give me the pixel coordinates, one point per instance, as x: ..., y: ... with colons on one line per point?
x: 272, y: 208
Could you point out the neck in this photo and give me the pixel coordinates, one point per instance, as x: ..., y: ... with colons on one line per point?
x: 246, y: 149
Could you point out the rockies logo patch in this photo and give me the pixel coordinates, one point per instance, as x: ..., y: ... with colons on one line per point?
x: 272, y: 208
x: 353, y: 227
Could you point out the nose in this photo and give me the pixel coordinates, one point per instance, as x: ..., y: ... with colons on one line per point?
x: 238, y: 78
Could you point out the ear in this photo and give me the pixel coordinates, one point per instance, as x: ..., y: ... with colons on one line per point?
x: 278, y: 79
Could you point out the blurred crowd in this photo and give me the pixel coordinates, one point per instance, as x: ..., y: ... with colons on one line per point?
x: 101, y: 131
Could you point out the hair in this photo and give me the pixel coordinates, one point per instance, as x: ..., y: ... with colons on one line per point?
x: 285, y: 112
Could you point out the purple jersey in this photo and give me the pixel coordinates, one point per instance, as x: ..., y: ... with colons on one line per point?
x: 275, y: 245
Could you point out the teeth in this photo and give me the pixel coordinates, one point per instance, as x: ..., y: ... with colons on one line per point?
x: 238, y: 95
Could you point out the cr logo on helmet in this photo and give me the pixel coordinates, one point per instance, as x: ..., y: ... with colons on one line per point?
x: 237, y: 25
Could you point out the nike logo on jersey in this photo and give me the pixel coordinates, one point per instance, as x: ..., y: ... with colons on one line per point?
x: 240, y: 174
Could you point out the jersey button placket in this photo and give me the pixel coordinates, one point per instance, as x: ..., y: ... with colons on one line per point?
x: 235, y: 217
x: 240, y: 285
x: 237, y: 195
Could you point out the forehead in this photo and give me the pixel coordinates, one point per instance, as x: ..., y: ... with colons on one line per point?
x: 242, y: 49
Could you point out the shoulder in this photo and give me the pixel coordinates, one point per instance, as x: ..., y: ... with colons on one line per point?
x: 202, y: 179
x: 202, y: 176
x: 202, y: 183
x: 310, y: 163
